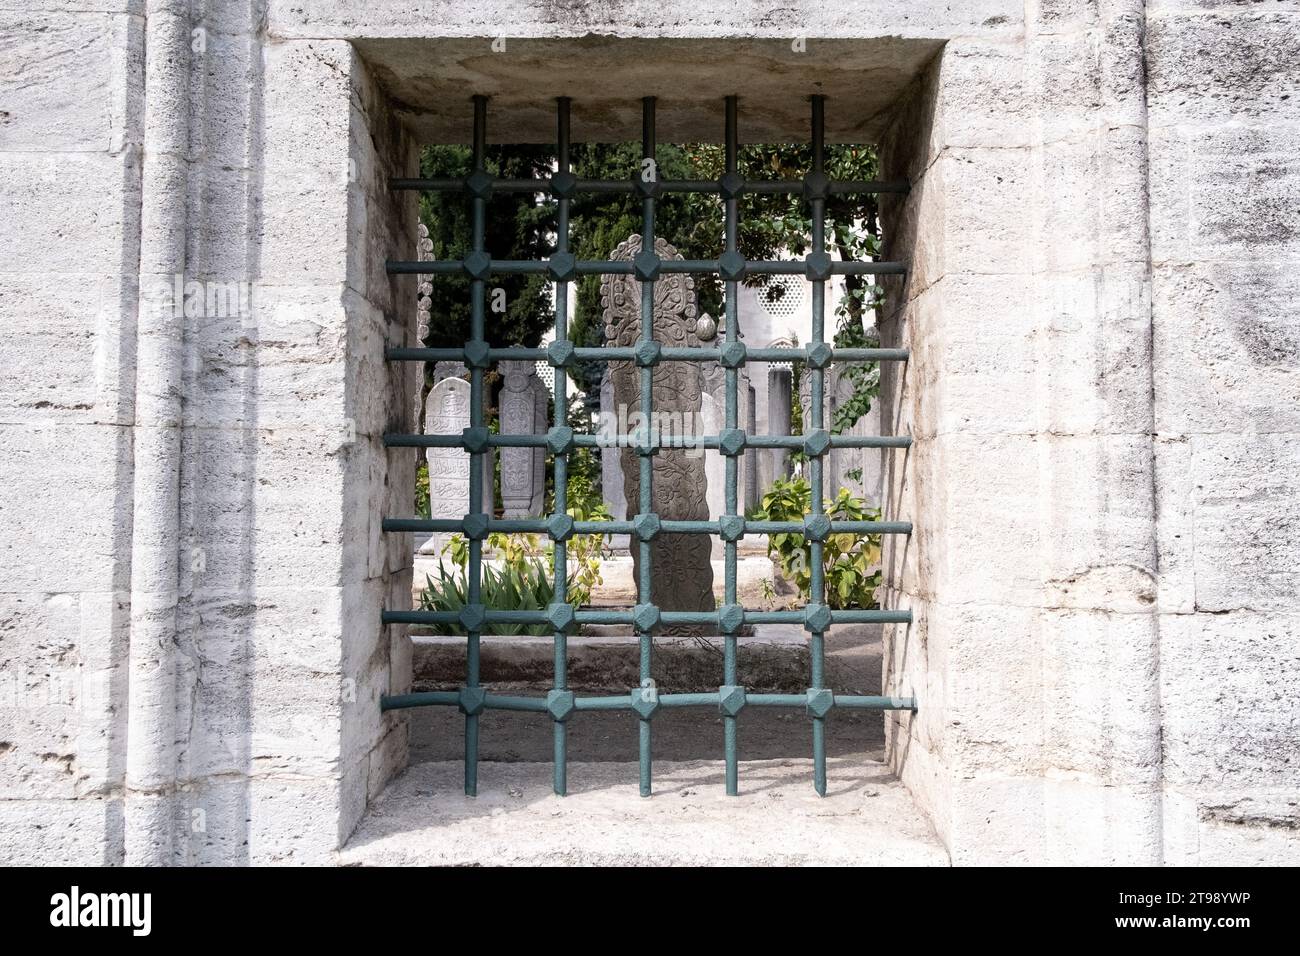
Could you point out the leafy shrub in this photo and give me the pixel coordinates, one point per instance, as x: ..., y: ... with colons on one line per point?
x: 524, y: 587
x: 524, y: 580
x: 850, y: 562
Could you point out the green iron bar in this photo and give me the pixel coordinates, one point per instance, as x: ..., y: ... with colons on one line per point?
x: 668, y: 526
x: 640, y: 441
x: 568, y: 187
x: 560, y: 696
x: 731, y: 689
x: 817, y: 582
x: 646, y: 505
x: 481, y: 268
x: 628, y: 354
x: 712, y: 618
x: 629, y: 702
x: 560, y: 703
x: 476, y: 463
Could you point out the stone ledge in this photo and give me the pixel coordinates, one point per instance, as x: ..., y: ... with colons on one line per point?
x: 866, y: 819
x: 774, y: 659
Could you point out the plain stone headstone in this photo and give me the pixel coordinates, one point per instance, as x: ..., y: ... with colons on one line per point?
x: 519, y: 416
x: 446, y: 412
x: 838, y: 462
x: 541, y: 393
x: 611, y: 464
x: 872, y: 460
x: 611, y: 461
x: 682, y: 578
x: 778, y: 417
x: 713, y: 415
x: 749, y: 473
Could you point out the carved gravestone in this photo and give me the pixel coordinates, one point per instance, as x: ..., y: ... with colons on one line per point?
x: 423, y: 307
x: 839, y: 463
x: 749, y: 473
x: 537, y: 504
x: 446, y: 412
x: 611, y: 462
x: 713, y: 419
x: 778, y: 418
x: 443, y: 371
x: 682, y: 578
x: 519, y: 416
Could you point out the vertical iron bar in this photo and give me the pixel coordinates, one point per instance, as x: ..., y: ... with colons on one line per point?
x: 732, y: 379
x: 647, y: 385
x: 561, y: 401
x: 817, y: 643
x: 476, y: 503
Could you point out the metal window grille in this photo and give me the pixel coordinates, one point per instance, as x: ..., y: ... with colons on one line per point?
x: 729, y: 618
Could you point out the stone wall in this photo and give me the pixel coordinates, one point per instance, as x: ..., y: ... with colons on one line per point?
x: 1102, y: 396
x: 1088, y: 699
x: 1224, y: 188
x: 191, y: 641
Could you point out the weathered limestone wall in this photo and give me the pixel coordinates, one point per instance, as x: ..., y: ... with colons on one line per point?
x: 1076, y: 708
x: 246, y: 729
x: 72, y: 95
x: 1102, y: 397
x: 1223, y: 81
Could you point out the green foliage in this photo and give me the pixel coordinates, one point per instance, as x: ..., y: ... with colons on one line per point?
x: 865, y: 376
x: 523, y: 581
x: 521, y: 586
x: 517, y: 227
x: 422, y: 509
x: 584, y: 552
x: 582, y: 489
x: 600, y: 221
x: 773, y: 224
x: 850, y: 562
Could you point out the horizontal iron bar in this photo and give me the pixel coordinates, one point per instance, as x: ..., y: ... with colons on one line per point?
x: 539, y: 526
x: 847, y: 616
x: 397, y: 440
x: 628, y: 353
x: 586, y: 267
x: 543, y: 185
x: 505, y: 525
x: 422, y: 699
x: 624, y: 701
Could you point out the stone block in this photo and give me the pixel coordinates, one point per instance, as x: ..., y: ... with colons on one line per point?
x: 1228, y: 686
x: 68, y: 79
x: 72, y: 213
x: 1227, y: 347
x: 1225, y: 192
x: 67, y: 520
x: 49, y: 832
x: 1244, y: 519
x: 1229, y: 64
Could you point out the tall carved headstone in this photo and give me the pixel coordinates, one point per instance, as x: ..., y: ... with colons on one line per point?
x: 518, y: 403
x: 446, y: 370
x: 541, y: 396
x: 779, y: 386
x: 424, y: 306
x: 446, y: 412
x: 838, y: 463
x: 683, y: 577
x: 713, y: 412
x: 749, y: 474
x: 611, y: 463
